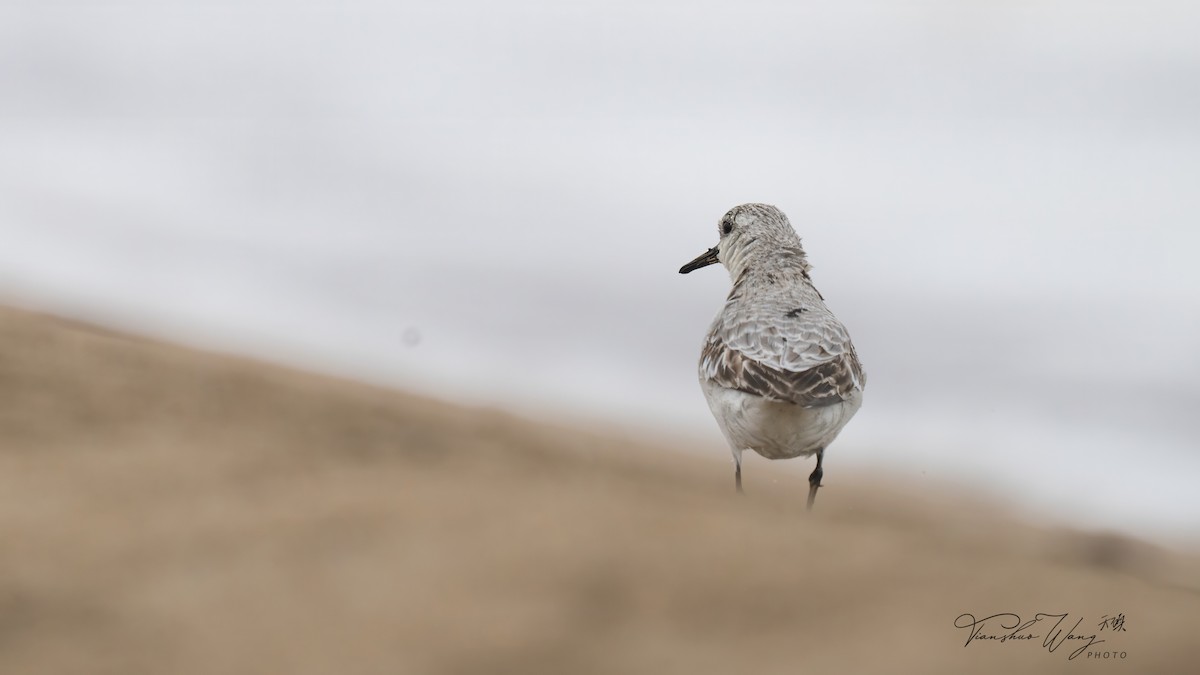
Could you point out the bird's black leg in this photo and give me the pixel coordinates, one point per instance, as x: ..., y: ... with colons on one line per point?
x: 814, y: 479
x: 737, y: 476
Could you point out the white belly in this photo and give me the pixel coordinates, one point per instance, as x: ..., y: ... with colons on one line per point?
x: 776, y: 430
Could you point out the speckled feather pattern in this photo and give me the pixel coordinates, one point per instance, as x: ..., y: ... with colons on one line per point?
x: 775, y: 337
x: 777, y: 368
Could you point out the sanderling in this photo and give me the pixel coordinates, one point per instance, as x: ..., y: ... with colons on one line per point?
x: 778, y: 369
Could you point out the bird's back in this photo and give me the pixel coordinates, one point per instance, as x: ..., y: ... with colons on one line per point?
x: 776, y: 338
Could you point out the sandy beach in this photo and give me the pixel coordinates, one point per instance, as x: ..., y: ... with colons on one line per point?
x: 165, y: 510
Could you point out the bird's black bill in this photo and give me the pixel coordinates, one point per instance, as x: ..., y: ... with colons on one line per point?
x: 707, y: 258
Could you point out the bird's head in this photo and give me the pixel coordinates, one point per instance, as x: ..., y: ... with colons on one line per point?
x: 747, y: 232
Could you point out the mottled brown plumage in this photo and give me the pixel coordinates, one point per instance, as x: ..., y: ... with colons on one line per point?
x: 821, y: 385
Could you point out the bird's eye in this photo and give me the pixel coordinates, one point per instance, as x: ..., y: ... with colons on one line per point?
x: 726, y: 227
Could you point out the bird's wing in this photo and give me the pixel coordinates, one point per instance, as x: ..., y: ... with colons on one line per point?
x: 793, y: 354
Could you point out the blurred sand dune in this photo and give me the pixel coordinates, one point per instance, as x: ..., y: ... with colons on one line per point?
x: 164, y: 510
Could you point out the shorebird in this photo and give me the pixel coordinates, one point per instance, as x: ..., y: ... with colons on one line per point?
x: 777, y: 368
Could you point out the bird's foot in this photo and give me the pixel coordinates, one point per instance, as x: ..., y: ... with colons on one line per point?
x: 814, y: 479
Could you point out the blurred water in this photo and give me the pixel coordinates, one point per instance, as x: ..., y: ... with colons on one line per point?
x: 489, y: 202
